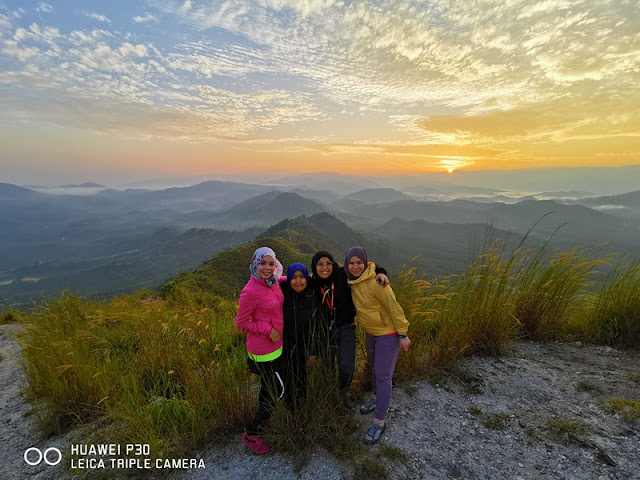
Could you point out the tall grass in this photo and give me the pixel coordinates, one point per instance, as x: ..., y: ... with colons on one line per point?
x: 535, y: 294
x: 615, y: 319
x: 174, y: 374
x: 164, y: 375
x: 550, y: 294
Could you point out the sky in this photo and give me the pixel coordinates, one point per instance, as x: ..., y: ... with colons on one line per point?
x: 95, y: 90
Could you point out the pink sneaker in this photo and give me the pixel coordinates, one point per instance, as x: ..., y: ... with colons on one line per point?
x: 255, y: 444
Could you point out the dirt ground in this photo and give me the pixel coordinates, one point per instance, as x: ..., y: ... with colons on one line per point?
x: 538, y: 413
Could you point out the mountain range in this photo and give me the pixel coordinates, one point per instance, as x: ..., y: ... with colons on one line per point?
x: 114, y: 241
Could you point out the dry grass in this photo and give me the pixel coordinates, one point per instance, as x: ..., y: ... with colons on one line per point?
x: 174, y: 375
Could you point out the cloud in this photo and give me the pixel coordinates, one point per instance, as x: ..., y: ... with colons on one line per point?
x: 146, y: 18
x: 392, y: 78
x: 44, y: 7
x: 304, y: 7
x: 96, y: 16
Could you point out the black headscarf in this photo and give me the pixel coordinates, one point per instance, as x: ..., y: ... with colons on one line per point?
x: 314, y: 269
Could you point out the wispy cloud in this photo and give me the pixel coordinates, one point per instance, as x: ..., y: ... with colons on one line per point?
x: 96, y: 16
x: 44, y: 7
x: 146, y: 18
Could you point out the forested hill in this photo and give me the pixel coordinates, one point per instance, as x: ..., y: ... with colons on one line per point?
x: 227, y: 272
x: 293, y: 241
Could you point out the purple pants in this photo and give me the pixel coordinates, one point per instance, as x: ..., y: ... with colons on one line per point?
x: 383, y: 354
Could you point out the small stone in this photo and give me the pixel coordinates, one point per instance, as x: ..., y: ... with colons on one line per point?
x: 578, y: 344
x: 520, y: 465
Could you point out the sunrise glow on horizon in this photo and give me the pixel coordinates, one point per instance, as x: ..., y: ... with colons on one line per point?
x: 200, y: 87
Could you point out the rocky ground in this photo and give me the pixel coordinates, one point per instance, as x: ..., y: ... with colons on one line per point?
x: 535, y: 414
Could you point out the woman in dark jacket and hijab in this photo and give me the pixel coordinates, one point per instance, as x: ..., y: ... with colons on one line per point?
x: 336, y: 314
x: 298, y: 334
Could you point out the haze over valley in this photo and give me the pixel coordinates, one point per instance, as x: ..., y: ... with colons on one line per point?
x: 101, y: 241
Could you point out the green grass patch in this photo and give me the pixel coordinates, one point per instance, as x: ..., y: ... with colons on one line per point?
x: 496, y: 422
x: 392, y: 453
x: 369, y: 467
x: 567, y: 431
x: 587, y: 386
x: 9, y: 317
x: 561, y: 426
x: 629, y: 410
x: 476, y: 411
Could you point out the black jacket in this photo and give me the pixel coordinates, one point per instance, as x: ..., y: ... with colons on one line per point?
x: 344, y: 312
x: 298, y: 310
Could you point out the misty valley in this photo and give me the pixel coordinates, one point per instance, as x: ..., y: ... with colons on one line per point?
x: 103, y: 242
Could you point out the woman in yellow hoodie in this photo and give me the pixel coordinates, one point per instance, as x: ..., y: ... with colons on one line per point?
x: 383, y: 320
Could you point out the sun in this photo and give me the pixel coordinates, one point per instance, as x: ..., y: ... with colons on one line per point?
x: 450, y: 170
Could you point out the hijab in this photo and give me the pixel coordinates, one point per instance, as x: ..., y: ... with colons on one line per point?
x: 258, y: 255
x: 292, y: 269
x: 316, y: 258
x: 355, y: 252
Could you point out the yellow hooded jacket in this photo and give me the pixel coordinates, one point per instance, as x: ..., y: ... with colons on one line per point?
x: 377, y: 309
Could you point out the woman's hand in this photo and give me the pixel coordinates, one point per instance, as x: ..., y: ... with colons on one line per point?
x: 404, y: 344
x: 274, y: 335
x: 382, y: 279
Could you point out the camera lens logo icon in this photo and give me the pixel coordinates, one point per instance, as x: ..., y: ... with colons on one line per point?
x: 34, y: 456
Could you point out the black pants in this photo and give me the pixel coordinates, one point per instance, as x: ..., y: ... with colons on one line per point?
x: 344, y: 342
x: 296, y: 359
x: 340, y: 347
x: 271, y: 388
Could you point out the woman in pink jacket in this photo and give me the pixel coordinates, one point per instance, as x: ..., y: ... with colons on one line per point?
x: 260, y: 314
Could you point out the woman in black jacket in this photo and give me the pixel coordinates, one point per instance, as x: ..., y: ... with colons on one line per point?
x: 298, y: 333
x: 337, y: 313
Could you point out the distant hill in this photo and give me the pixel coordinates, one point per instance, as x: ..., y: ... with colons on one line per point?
x: 265, y: 210
x: 155, y: 259
x: 328, y: 181
x: 631, y: 199
x: 324, y: 231
x: 582, y: 225
x: 83, y: 185
x: 211, y: 195
x: 450, y: 189
x: 378, y: 195
x: 445, y: 248
x: 346, y: 204
x: 15, y: 194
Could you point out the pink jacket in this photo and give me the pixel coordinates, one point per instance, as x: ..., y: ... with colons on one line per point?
x: 260, y: 310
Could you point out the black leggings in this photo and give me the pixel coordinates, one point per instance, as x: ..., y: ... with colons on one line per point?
x: 271, y: 389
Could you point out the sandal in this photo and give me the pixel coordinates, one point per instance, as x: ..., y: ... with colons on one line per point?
x: 255, y: 444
